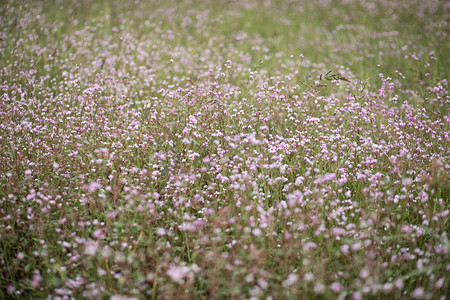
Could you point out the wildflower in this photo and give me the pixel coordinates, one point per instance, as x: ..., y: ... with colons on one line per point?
x: 192, y: 119
x: 93, y: 187
x: 98, y: 234
x: 257, y: 232
x: 418, y: 293
x: 345, y: 249
x: 11, y: 289
x: 319, y: 288
x: 37, y: 279
x: 177, y: 273
x: 337, y: 231
x: 325, y: 178
x: 399, y: 284
x: 90, y: 248
x: 290, y: 280
x: 336, y: 287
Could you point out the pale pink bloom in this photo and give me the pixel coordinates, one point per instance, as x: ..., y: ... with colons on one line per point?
x: 319, y: 288
x: 177, y: 273
x: 299, y: 180
x: 257, y: 232
x: 310, y: 245
x: 263, y: 283
x: 290, y: 280
x: 11, y: 289
x: 418, y: 293
x: 338, y: 231
x: 356, y: 246
x: 94, y: 186
x: 325, y: 178
x: 440, y: 283
x: 160, y: 231
x: 98, y: 234
x: 364, y: 273
x: 399, y: 284
x: 387, y: 287
x: 90, y: 248
x: 37, y: 279
x: 336, y: 287
x: 193, y: 120
x: 344, y: 249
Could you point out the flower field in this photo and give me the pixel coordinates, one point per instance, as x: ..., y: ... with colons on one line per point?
x: 224, y: 149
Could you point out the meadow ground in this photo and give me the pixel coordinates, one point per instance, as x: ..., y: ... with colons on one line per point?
x: 224, y: 149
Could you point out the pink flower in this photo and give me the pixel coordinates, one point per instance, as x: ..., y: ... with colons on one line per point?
x: 94, y: 186
x: 344, y: 249
x: 336, y: 287
x: 399, y: 284
x: 257, y: 232
x: 37, y: 278
x: 11, y: 289
x: 91, y: 248
x: 325, y: 178
x: 193, y: 120
x: 418, y: 293
x: 290, y: 280
x: 310, y: 245
x: 177, y: 273
x: 338, y: 231
x: 98, y: 234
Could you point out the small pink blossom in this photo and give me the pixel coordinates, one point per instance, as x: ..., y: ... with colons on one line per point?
x: 37, y: 279
x: 336, y: 287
